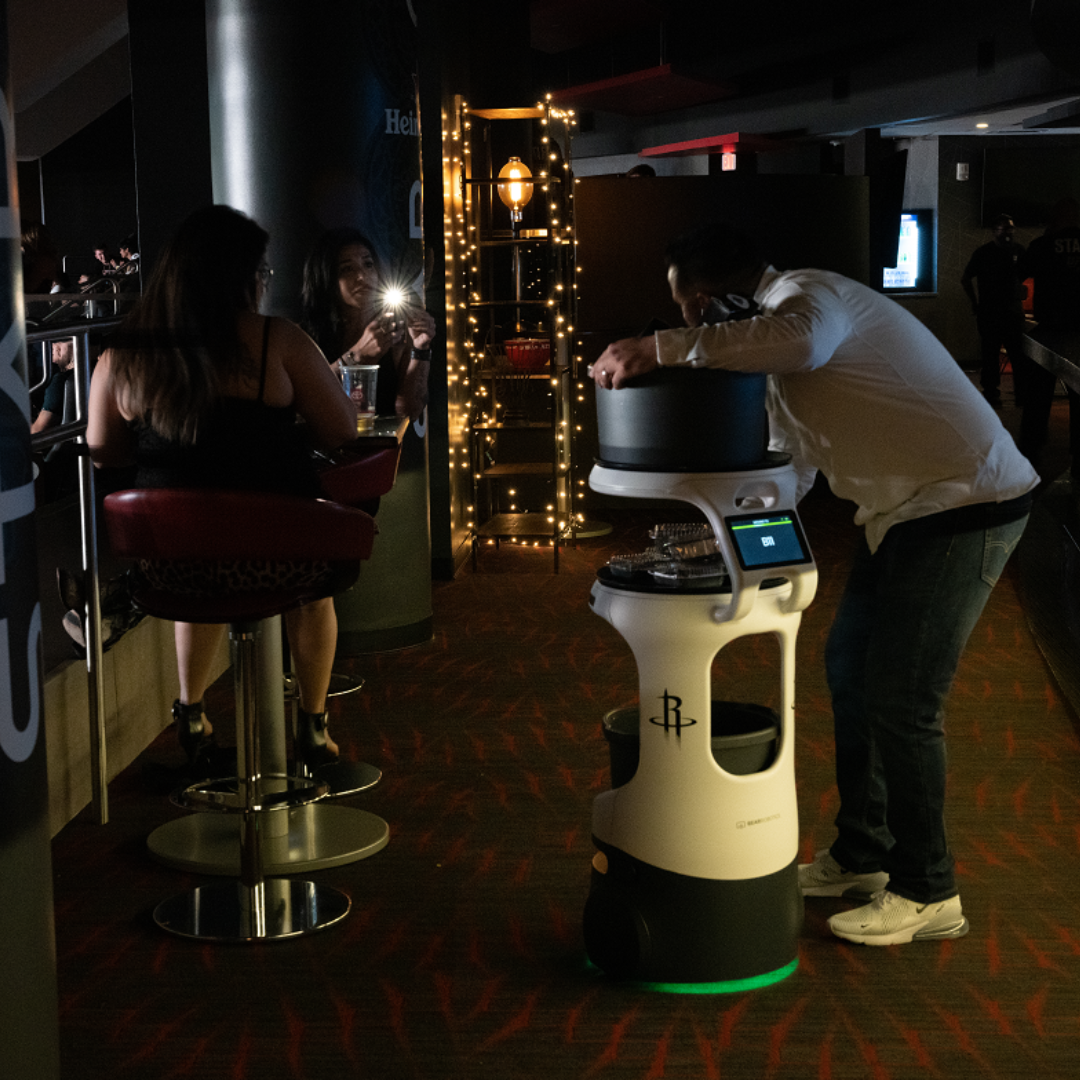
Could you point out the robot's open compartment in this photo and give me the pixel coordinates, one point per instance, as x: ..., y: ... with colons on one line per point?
x: 744, y: 739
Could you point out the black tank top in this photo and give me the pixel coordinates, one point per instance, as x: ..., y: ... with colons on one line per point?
x: 244, y: 444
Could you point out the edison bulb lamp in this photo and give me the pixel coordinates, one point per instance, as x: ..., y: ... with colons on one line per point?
x: 515, y: 193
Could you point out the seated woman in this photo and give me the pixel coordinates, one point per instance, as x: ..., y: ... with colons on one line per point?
x: 345, y: 309
x: 199, y: 390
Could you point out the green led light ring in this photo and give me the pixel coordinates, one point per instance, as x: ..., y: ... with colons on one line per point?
x: 731, y: 986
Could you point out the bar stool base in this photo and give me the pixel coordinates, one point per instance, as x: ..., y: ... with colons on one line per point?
x: 346, y: 777
x: 340, y: 685
x: 229, y: 911
x: 317, y: 837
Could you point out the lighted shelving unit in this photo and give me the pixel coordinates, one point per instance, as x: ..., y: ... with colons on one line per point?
x: 515, y: 268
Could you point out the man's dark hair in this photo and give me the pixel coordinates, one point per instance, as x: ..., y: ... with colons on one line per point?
x: 709, y: 254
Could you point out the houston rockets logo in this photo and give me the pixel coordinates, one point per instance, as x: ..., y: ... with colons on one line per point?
x: 672, y: 719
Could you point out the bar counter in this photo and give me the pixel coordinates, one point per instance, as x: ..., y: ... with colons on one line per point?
x: 1057, y: 351
x: 1049, y: 553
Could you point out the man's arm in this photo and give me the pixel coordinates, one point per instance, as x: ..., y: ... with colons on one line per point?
x: 44, y: 419
x: 802, y: 331
x: 107, y: 434
x: 967, y: 281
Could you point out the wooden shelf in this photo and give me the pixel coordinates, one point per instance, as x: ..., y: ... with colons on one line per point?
x: 528, y: 112
x: 519, y: 468
x: 525, y: 425
x: 535, y: 180
x: 514, y: 525
x: 521, y: 241
x: 523, y: 302
x: 511, y: 372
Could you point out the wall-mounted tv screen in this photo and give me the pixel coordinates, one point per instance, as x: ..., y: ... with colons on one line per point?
x: 915, y: 263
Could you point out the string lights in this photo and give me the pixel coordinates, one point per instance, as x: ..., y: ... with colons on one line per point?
x: 479, y: 421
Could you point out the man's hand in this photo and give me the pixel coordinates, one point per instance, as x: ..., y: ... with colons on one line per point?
x: 624, y: 360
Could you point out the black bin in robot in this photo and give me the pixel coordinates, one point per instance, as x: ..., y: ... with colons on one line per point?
x: 684, y: 420
x: 744, y: 739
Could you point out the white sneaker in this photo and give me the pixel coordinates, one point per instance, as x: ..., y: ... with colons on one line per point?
x: 73, y: 625
x: 826, y: 877
x: 892, y: 920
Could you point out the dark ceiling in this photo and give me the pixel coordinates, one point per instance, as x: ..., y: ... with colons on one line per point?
x: 658, y: 57
x: 772, y: 67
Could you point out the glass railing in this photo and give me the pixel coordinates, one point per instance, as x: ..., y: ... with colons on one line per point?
x: 73, y: 429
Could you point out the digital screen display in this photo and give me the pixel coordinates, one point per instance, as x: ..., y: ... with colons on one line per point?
x: 766, y: 540
x: 905, y: 274
x: 915, y: 256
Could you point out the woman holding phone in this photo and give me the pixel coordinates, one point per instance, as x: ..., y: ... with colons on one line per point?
x: 354, y: 318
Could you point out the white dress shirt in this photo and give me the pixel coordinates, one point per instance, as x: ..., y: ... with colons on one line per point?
x: 861, y: 390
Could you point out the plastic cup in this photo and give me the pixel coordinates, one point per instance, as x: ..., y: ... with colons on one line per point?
x: 359, y: 382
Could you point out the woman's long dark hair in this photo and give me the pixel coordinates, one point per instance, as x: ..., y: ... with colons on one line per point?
x: 181, y: 341
x: 320, y: 297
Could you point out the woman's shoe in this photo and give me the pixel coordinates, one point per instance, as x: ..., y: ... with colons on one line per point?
x: 191, y: 729
x: 313, y: 746
x: 69, y: 586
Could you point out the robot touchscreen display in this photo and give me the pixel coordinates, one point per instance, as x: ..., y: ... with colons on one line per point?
x: 768, y: 540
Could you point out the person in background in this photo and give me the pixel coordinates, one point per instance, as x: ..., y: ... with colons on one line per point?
x: 106, y: 257
x: 346, y: 311
x: 52, y: 408
x: 200, y: 390
x: 1053, y: 263
x: 105, y: 267
x: 58, y: 464
x: 997, y: 305
x: 41, y: 262
x: 862, y: 391
x: 129, y: 256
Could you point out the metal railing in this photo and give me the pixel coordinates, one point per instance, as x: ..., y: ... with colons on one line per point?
x: 43, y: 440
x: 99, y: 293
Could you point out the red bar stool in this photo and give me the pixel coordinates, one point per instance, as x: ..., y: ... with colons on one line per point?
x: 216, y: 526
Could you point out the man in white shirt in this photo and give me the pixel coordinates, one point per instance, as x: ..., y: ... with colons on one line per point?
x: 860, y: 390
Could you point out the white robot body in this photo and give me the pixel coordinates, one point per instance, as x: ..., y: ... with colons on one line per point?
x: 681, y: 811
x: 696, y: 880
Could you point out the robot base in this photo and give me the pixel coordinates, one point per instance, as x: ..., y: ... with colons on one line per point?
x: 655, y: 925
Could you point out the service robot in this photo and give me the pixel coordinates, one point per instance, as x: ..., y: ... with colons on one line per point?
x: 695, y: 878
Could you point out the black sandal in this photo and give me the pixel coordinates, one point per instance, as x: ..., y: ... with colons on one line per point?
x: 310, y: 739
x: 191, y: 729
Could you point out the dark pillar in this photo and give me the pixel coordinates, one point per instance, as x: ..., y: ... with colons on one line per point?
x: 866, y: 153
x: 315, y: 124
x: 170, y: 115
x: 28, y: 1004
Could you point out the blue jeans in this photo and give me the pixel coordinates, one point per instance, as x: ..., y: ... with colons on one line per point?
x: 901, y: 627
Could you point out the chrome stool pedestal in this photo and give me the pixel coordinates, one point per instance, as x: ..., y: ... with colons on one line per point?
x: 228, y: 911
x: 253, y: 908
x: 295, y: 840
x: 209, y: 528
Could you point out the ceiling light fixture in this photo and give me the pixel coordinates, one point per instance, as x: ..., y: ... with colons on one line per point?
x: 514, y: 193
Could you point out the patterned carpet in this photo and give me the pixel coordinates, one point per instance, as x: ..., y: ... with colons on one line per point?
x: 462, y: 958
